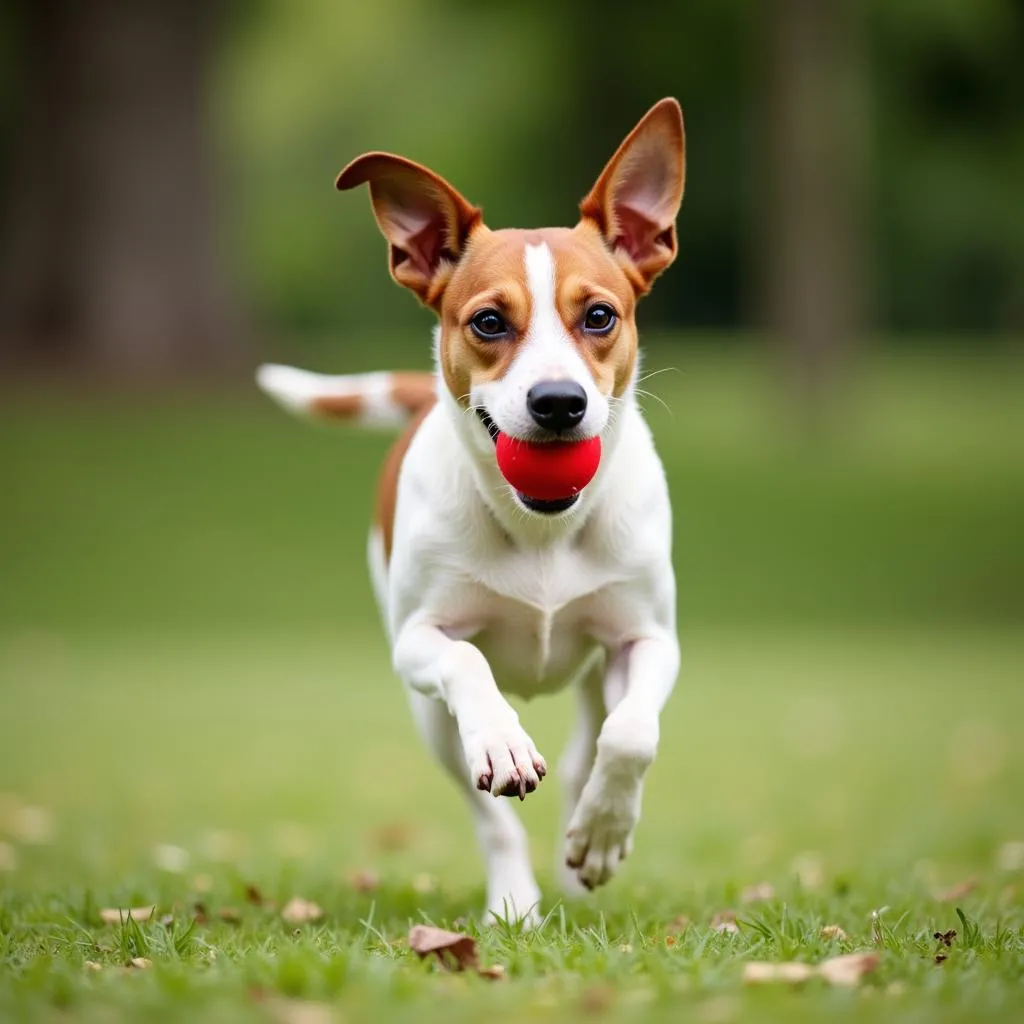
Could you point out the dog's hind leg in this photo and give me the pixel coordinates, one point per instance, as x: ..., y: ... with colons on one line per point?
x: 577, y: 760
x: 512, y: 892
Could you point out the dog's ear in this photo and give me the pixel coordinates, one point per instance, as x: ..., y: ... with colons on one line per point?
x: 425, y: 221
x: 636, y: 198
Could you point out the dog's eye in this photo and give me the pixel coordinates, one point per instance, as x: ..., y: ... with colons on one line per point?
x: 489, y: 324
x: 600, y: 319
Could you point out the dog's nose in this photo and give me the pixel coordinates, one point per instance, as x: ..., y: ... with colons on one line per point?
x: 557, y: 404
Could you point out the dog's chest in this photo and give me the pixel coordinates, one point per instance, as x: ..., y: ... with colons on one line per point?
x: 534, y: 615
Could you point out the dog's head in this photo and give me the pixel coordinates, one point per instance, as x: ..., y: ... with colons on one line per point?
x: 537, y: 328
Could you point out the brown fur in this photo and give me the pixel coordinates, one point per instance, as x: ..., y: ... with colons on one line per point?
x: 387, y: 483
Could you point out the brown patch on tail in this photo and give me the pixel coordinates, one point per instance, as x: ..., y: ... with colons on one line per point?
x: 410, y: 392
x: 387, y: 484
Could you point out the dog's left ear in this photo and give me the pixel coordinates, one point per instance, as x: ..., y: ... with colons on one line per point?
x: 637, y: 197
x: 424, y: 219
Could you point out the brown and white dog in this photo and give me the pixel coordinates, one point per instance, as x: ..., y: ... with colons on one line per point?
x: 484, y: 591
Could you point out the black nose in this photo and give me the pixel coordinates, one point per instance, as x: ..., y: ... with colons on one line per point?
x: 557, y: 404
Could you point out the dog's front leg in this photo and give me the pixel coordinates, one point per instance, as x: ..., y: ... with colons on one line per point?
x: 500, y: 756
x: 600, y: 835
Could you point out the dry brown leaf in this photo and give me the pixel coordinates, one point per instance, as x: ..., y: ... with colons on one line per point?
x: 958, y: 891
x: 393, y: 837
x: 253, y: 895
x: 597, y: 998
x: 846, y: 971
x: 140, y: 962
x: 365, y: 881
x: 725, y: 921
x: 758, y: 893
x: 833, y: 931
x: 448, y: 947
x: 300, y: 911
x: 759, y: 972
x: 117, y: 915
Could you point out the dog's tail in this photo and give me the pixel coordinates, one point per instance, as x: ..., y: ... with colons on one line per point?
x: 383, y: 400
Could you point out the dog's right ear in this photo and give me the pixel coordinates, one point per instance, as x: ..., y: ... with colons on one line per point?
x: 425, y: 221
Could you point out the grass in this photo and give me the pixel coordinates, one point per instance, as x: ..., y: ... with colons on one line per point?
x: 189, y: 658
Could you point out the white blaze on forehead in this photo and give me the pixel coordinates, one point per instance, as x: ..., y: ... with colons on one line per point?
x: 545, y: 322
x: 549, y: 350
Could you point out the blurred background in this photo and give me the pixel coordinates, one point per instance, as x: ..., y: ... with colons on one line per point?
x: 836, y: 389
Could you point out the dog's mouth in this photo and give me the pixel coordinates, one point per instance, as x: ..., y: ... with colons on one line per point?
x: 539, y: 505
x: 489, y: 425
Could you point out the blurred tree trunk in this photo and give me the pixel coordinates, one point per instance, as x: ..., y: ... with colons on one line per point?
x: 811, y: 134
x: 109, y: 252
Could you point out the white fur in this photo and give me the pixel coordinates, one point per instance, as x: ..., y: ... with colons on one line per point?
x: 483, y: 598
x: 297, y: 390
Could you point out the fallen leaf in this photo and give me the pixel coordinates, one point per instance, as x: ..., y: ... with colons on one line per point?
x: 140, y: 962
x: 958, y: 891
x: 299, y: 911
x: 118, y: 915
x: 448, y: 947
x: 833, y: 931
x: 725, y: 921
x: 1011, y: 856
x: 91, y: 965
x: 229, y: 915
x: 597, y: 998
x: 365, y: 881
x: 846, y: 971
x: 946, y: 938
x: 394, y: 836
x: 759, y: 972
x: 253, y: 895
x: 758, y: 893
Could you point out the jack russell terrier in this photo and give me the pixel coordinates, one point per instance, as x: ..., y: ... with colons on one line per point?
x: 486, y: 589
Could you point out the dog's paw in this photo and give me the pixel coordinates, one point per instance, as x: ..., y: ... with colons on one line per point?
x: 600, y: 834
x: 503, y: 760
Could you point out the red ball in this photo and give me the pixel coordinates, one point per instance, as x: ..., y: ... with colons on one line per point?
x: 551, y: 470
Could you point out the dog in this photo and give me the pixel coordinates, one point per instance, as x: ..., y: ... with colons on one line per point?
x: 484, y: 591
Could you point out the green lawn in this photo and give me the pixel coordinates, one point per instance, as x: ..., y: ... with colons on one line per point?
x: 189, y: 656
